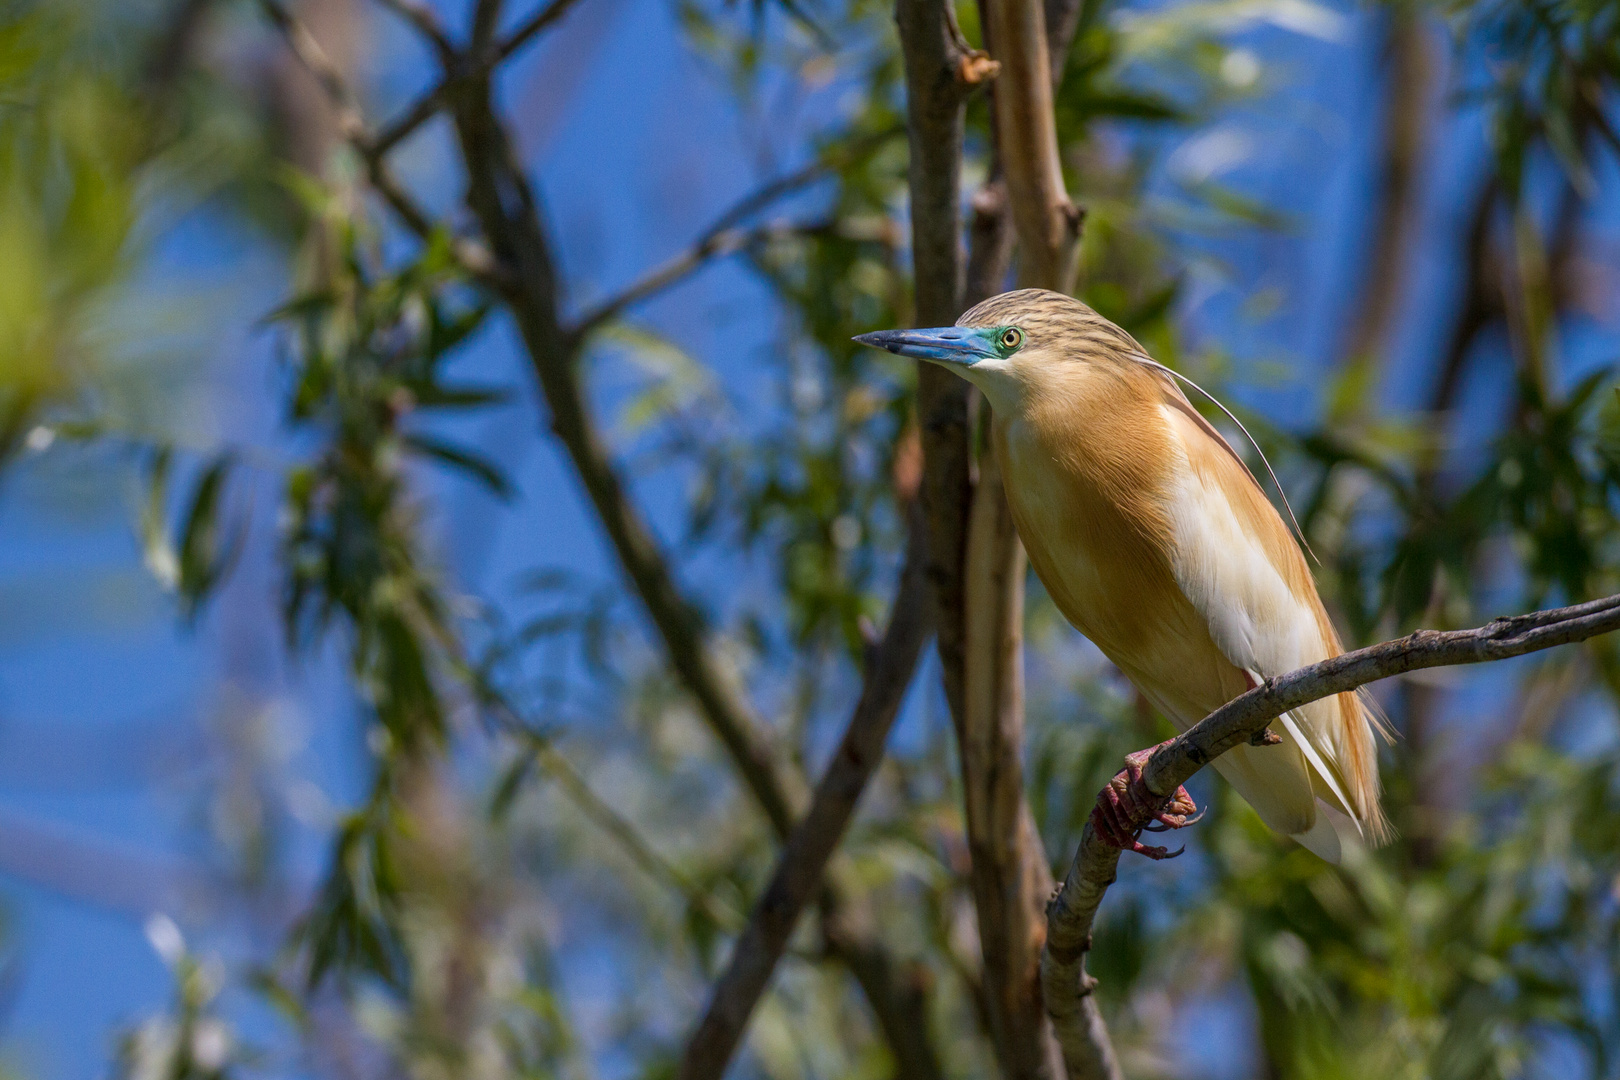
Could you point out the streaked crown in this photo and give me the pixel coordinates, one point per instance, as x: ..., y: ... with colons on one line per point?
x: 1052, y: 321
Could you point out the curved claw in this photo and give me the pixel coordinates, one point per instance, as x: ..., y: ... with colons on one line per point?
x: 1125, y: 809
x: 1157, y: 854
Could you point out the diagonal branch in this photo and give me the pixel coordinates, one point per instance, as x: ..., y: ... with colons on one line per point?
x: 530, y: 27
x: 505, y: 205
x: 429, y: 104
x: 426, y: 23
x: 890, y: 665
x: 1073, y: 910
x: 503, y: 201
x: 517, y: 266
x: 352, y: 125
x: 1010, y: 875
x: 724, y: 236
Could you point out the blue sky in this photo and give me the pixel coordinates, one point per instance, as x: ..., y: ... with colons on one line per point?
x: 112, y: 717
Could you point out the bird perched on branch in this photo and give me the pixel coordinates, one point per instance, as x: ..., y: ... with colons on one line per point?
x: 1159, y: 545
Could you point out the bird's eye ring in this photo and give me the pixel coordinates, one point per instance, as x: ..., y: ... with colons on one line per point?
x: 1012, y: 337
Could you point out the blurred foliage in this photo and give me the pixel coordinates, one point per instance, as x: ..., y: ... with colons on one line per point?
x: 535, y: 772
x: 192, y: 1042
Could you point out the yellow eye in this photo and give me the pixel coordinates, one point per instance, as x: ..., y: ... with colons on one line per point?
x: 1012, y: 337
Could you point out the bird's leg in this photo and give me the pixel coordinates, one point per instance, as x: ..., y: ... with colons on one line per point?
x: 1126, y: 806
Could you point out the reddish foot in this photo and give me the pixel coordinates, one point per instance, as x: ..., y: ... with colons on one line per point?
x: 1126, y: 807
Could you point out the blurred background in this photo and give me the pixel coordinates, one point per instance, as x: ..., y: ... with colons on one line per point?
x: 333, y: 741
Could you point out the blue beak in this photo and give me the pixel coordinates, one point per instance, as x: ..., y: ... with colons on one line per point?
x: 963, y: 345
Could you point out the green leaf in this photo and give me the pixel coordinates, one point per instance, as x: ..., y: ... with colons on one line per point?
x: 434, y: 395
x: 206, y: 553
x: 479, y: 468
x: 511, y: 784
x: 156, y: 549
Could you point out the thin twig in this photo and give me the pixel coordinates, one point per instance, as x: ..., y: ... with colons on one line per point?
x: 1074, y: 909
x: 537, y: 22
x: 641, y: 852
x: 309, y: 53
x: 428, y: 105
x: 415, y: 115
x: 486, y: 16
x: 426, y: 22
x: 708, y: 248
x: 798, y: 875
x: 724, y: 237
x: 507, y: 209
x: 474, y: 256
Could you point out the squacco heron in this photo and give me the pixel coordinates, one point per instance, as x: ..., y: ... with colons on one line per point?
x: 1160, y: 546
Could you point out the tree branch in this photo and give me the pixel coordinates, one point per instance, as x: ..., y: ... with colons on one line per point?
x: 352, y: 125
x: 486, y: 15
x: 505, y: 205
x: 503, y: 202
x: 1073, y: 910
x: 518, y: 268
x: 890, y: 665
x: 708, y: 248
x: 526, y: 32
x: 1009, y: 874
x: 724, y: 236
x: 425, y: 107
x: 935, y: 93
x: 1048, y: 223
x: 426, y: 23
x: 1010, y: 877
x: 1410, y: 75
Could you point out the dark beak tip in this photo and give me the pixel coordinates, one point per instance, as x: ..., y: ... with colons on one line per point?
x: 878, y: 339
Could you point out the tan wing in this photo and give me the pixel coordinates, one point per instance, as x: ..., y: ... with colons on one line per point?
x: 1236, y: 562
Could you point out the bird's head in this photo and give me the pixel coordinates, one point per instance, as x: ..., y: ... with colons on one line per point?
x: 1014, y: 340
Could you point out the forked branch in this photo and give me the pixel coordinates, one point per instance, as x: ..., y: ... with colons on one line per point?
x: 1073, y: 910
x: 803, y: 860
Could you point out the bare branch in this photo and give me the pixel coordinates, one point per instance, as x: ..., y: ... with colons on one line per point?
x: 428, y: 105
x: 475, y: 257
x: 1074, y: 909
x: 1062, y: 20
x: 890, y: 665
x: 935, y: 93
x: 1407, y: 83
x: 532, y: 26
x: 1010, y: 878
x: 426, y: 23
x: 1048, y: 223
x: 616, y: 825
x: 504, y: 203
x: 723, y: 237
x: 990, y: 242
x: 415, y: 115
x: 711, y: 246
x: 486, y: 15
x: 309, y: 53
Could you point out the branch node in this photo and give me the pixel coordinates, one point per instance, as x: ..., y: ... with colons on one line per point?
x: 975, y: 68
x: 1265, y: 737
x: 1069, y: 954
x: 1074, y: 216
